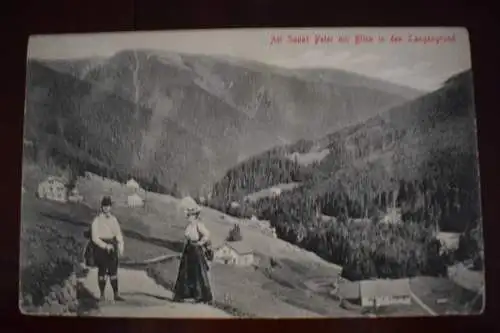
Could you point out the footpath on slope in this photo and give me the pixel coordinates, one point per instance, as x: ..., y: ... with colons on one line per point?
x: 144, y: 298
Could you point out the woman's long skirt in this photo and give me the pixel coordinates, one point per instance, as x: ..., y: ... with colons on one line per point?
x: 192, y: 279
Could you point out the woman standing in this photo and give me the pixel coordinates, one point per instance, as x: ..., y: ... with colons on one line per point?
x: 193, y: 277
x: 107, y: 238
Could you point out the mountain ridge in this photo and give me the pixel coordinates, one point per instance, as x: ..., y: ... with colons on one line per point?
x: 235, y: 111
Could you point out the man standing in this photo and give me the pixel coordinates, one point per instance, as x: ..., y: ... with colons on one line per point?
x: 108, y: 239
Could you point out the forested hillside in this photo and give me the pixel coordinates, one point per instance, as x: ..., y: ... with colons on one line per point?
x: 92, y: 129
x: 420, y: 158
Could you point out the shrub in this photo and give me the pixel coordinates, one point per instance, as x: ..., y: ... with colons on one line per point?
x: 53, y: 258
x: 234, y: 234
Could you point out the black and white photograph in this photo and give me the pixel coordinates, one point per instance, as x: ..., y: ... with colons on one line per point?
x: 251, y: 173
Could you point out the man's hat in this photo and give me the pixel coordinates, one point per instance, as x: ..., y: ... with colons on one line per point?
x: 106, y: 201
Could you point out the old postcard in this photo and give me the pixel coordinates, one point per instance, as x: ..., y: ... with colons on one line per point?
x: 251, y: 173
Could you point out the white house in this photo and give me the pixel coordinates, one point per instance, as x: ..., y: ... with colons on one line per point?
x: 133, y: 185
x: 384, y: 292
x: 275, y: 192
x: 74, y: 195
x: 234, y: 253
x: 135, y: 200
x: 449, y: 240
x: 53, y: 188
x: 393, y: 216
x: 375, y: 293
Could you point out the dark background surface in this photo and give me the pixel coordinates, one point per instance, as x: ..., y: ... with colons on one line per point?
x: 20, y: 19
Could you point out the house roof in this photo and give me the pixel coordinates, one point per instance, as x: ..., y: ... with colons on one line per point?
x: 449, y: 239
x: 239, y: 247
x: 132, y: 183
x: 349, y: 290
x: 379, y: 288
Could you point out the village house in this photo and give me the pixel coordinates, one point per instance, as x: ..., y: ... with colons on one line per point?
x: 375, y: 293
x: 449, y: 241
x: 135, y: 200
x: 53, y: 188
x: 385, y: 292
x: 74, y: 195
x: 393, y: 216
x: 275, y: 192
x: 234, y: 205
x: 234, y: 253
x: 133, y: 185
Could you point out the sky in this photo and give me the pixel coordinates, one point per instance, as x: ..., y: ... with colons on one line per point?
x: 409, y: 62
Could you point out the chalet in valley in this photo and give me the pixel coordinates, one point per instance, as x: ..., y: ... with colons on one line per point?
x: 393, y: 216
x: 234, y: 253
x: 375, y: 293
x: 449, y: 241
x: 275, y: 192
x: 385, y: 292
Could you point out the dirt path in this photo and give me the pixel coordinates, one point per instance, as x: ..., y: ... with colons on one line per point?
x: 144, y: 298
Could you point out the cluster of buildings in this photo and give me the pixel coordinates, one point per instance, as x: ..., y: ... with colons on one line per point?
x: 59, y: 189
